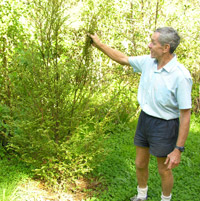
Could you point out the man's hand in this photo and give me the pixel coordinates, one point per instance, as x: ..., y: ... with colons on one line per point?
x: 95, y: 40
x: 173, y: 159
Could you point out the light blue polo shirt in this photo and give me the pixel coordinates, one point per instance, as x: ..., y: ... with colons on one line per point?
x: 162, y: 93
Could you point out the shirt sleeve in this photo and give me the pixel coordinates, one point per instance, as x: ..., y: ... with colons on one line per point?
x: 184, y: 93
x: 138, y: 62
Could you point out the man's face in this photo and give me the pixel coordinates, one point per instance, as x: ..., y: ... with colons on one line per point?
x: 155, y: 47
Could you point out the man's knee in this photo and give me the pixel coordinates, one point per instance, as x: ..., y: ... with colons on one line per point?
x: 141, y: 164
x: 142, y: 157
x: 164, y: 172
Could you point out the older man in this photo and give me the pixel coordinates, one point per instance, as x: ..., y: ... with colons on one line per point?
x: 164, y: 95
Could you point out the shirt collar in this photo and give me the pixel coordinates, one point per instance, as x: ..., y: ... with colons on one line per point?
x: 170, y: 65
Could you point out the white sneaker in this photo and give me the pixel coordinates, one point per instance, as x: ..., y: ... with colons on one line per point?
x: 137, y: 199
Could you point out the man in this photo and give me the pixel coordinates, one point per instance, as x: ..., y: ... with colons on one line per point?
x: 164, y: 95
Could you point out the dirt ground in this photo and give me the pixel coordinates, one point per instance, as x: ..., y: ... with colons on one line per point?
x: 32, y: 190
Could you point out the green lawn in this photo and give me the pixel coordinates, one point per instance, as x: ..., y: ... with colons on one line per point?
x: 12, y: 173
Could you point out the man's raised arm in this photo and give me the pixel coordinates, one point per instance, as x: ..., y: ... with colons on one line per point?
x: 115, y: 55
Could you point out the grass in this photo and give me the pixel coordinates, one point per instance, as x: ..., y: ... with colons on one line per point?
x: 117, y: 171
x: 12, y: 172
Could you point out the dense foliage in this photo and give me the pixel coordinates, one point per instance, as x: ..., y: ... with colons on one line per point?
x: 59, y: 97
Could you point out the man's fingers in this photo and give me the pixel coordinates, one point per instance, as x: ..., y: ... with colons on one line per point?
x: 169, y: 163
x: 91, y: 35
x: 91, y: 38
x: 166, y: 161
x: 169, y: 166
x: 94, y: 39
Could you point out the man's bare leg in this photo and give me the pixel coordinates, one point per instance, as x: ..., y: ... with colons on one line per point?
x: 142, y: 162
x: 166, y: 177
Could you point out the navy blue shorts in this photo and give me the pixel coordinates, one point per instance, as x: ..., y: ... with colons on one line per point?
x: 158, y: 134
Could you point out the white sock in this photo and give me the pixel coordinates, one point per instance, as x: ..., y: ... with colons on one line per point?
x: 166, y: 198
x: 142, y: 192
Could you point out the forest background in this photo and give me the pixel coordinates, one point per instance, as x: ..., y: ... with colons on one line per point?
x: 60, y: 98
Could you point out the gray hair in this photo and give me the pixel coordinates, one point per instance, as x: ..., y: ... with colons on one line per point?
x: 168, y: 36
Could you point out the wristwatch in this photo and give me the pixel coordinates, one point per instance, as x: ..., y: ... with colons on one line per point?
x: 181, y: 149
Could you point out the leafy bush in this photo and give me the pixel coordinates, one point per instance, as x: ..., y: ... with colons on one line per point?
x: 5, y: 128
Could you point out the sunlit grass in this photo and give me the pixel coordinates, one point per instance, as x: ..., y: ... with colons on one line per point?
x: 12, y: 172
